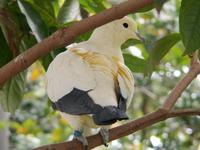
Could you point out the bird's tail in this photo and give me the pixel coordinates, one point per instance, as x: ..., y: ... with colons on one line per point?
x: 109, y: 115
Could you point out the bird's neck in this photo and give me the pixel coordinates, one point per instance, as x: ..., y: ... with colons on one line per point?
x: 107, y: 46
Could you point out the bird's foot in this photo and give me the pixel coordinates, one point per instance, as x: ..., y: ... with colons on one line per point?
x: 105, y: 136
x: 79, y: 136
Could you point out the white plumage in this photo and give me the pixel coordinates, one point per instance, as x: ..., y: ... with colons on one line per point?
x: 97, y: 67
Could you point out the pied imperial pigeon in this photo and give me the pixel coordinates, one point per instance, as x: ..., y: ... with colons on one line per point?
x: 89, y: 84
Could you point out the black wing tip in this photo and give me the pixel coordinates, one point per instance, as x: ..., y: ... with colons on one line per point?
x: 53, y: 105
x: 109, y: 115
x: 77, y: 102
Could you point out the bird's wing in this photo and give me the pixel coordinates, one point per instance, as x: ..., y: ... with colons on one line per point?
x: 72, y: 76
x: 126, y: 83
x: 66, y: 72
x: 69, y: 79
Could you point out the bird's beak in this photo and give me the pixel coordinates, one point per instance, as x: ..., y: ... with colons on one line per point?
x: 137, y: 36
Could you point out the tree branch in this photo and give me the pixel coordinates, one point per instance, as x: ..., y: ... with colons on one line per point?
x: 183, y: 84
x: 126, y: 129
x: 161, y: 114
x: 66, y: 36
x: 184, y: 112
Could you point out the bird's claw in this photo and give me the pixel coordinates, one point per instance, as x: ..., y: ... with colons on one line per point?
x: 79, y: 136
x: 105, y: 136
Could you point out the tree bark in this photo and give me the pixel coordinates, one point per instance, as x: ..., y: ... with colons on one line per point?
x: 123, y: 130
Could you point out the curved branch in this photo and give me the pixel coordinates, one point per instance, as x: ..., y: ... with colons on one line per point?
x: 66, y: 36
x: 161, y: 114
x: 183, y: 84
x: 123, y: 130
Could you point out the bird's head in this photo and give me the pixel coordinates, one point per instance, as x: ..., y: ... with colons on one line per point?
x: 125, y: 29
x: 117, y: 31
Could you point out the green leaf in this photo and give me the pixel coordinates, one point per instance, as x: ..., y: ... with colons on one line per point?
x: 46, y: 5
x: 20, y: 21
x: 69, y: 11
x: 12, y: 93
x: 46, y: 10
x: 93, y: 6
x: 37, y: 26
x: 190, y: 24
x: 158, y: 4
x: 134, y: 63
x: 46, y: 60
x: 83, y: 37
x: 56, y: 5
x: 130, y: 42
x: 146, y: 8
x: 34, y: 20
x: 160, y: 49
x: 5, y: 53
x: 163, y: 45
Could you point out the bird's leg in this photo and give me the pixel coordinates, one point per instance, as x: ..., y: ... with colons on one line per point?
x: 78, y: 134
x: 105, y: 135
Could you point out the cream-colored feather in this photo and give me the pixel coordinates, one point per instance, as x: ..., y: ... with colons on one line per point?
x: 96, y: 66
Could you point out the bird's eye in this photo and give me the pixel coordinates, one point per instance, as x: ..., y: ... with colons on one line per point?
x: 125, y: 25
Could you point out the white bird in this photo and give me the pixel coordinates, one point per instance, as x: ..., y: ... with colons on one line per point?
x: 90, y: 84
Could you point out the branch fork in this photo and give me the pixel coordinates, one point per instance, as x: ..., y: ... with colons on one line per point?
x: 161, y: 114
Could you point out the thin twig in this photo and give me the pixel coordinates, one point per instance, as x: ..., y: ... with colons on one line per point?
x: 148, y: 93
x: 184, y: 112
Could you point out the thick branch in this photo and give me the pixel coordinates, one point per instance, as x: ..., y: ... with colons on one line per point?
x: 66, y: 36
x: 123, y: 130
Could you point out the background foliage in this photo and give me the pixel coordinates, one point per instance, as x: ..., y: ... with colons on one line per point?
x: 170, y: 34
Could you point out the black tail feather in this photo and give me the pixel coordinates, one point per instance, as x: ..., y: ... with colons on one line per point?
x: 109, y: 115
